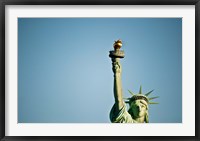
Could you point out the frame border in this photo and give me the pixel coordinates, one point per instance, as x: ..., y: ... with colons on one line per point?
x: 3, y: 3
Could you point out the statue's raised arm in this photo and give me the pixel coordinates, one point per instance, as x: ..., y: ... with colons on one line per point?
x: 119, y: 106
x: 116, y: 54
x: 138, y: 103
x: 118, y: 93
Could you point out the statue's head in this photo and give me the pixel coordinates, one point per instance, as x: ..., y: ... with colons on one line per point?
x: 139, y: 105
x: 138, y: 109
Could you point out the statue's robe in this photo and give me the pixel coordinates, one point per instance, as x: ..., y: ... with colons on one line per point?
x: 121, y: 116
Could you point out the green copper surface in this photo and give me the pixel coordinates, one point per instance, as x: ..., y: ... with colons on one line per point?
x: 138, y: 103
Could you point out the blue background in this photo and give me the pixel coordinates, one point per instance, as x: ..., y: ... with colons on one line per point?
x: 65, y: 74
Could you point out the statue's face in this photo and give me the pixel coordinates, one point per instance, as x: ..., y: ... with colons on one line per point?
x: 139, y: 108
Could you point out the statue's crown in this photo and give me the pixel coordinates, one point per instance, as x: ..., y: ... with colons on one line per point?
x: 141, y: 96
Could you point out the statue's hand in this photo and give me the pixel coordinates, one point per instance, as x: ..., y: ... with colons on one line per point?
x: 116, y: 66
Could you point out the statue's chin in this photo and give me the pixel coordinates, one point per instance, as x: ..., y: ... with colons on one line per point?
x: 139, y: 115
x: 136, y: 115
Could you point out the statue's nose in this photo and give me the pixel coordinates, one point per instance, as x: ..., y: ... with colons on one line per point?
x: 139, y: 107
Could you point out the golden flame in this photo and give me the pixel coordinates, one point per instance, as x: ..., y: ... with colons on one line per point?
x: 117, y: 44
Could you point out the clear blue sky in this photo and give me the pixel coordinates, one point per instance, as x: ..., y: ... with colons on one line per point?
x: 65, y: 74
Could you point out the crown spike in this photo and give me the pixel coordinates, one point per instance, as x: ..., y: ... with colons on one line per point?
x: 140, y: 96
x: 131, y: 93
x: 153, y: 103
x: 126, y: 98
x: 147, y: 94
x: 153, y: 97
x: 140, y: 92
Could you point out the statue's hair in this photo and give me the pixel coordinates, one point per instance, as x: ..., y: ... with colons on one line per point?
x: 147, y: 117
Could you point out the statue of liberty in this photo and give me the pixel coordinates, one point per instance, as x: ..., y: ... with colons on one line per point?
x: 138, y: 103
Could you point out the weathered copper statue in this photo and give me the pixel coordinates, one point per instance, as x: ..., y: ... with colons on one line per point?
x: 138, y: 103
